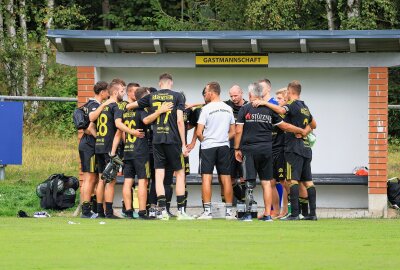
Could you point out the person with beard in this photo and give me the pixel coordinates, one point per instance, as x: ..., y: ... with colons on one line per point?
x: 236, y: 101
x: 106, y: 129
x: 86, y: 150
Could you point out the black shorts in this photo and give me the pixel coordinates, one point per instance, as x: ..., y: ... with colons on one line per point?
x: 279, y: 166
x: 187, y: 165
x: 139, y: 167
x: 168, y: 155
x: 88, y: 162
x: 216, y: 156
x: 254, y: 164
x: 102, y: 161
x: 236, y: 166
x: 298, y: 167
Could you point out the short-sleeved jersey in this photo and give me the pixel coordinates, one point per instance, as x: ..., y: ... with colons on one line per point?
x: 88, y: 142
x: 257, y: 130
x: 217, y: 117
x: 235, y: 110
x: 297, y: 114
x: 165, y: 127
x: 190, y: 117
x: 194, y: 115
x: 135, y: 147
x: 278, y: 138
x: 106, y: 128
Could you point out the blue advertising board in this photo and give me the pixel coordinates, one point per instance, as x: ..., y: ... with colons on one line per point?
x: 11, y: 123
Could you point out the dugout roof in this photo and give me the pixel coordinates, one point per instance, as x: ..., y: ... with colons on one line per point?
x: 225, y: 41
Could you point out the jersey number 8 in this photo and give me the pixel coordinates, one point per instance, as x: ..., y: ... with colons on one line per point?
x: 102, y: 125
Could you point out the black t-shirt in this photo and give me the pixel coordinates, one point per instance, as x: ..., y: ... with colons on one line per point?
x: 106, y: 128
x: 194, y: 115
x: 278, y: 138
x: 235, y: 110
x: 257, y: 130
x: 135, y: 147
x: 190, y: 117
x: 297, y: 114
x: 165, y: 127
x: 88, y: 142
x: 149, y: 135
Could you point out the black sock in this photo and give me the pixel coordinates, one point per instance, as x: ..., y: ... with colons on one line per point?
x: 181, y: 203
x: 223, y: 198
x: 123, y: 206
x: 86, y: 208
x: 294, y: 199
x: 109, y: 209
x: 243, y: 187
x: 162, y: 202
x: 100, y: 208
x: 142, y: 213
x: 129, y: 213
x: 168, y: 195
x: 312, y: 199
x: 207, y: 207
x: 304, y: 206
x: 237, y: 191
x: 186, y: 196
x: 93, y: 200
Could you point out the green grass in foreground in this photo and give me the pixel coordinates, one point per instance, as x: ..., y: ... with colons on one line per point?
x: 46, y: 155
x: 120, y: 244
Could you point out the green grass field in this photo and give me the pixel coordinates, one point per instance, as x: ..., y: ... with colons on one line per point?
x: 218, y: 244
x: 43, y: 156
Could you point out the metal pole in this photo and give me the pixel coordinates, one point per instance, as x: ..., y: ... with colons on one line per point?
x: 394, y: 107
x: 32, y: 98
x: 2, y: 171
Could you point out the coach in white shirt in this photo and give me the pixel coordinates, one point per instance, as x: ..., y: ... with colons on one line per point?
x: 216, y: 125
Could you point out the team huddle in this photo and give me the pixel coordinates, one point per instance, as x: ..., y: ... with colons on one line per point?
x: 146, y: 135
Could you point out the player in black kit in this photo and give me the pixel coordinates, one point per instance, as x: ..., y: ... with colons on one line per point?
x: 106, y: 130
x: 298, y: 151
x: 168, y: 142
x: 253, y: 147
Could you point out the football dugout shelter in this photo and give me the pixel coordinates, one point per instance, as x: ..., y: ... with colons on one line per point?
x: 344, y: 77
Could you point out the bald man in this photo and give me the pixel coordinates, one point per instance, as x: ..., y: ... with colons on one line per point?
x: 236, y: 101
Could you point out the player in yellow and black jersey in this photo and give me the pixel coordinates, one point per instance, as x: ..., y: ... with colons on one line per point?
x: 168, y: 141
x: 87, y: 154
x: 136, y: 154
x: 298, y: 152
x: 106, y: 129
x: 279, y: 162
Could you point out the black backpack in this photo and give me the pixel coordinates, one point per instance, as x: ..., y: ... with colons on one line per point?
x: 393, y: 192
x: 58, y: 192
x: 81, y: 116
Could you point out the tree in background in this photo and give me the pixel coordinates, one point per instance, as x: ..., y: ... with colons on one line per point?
x: 27, y: 61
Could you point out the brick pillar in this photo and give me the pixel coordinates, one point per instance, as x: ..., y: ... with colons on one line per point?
x: 86, y: 78
x: 378, y: 134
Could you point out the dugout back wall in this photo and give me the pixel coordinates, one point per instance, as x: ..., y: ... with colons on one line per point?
x: 337, y: 98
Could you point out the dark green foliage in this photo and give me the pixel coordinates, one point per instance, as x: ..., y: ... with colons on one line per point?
x: 54, y: 117
x: 171, y: 15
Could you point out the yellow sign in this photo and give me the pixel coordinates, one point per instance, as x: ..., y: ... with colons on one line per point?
x: 232, y: 60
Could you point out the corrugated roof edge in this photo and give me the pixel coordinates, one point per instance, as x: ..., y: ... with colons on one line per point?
x: 306, y: 34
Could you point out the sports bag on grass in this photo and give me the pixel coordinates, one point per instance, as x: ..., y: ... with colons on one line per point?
x: 393, y: 192
x: 58, y: 192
